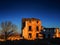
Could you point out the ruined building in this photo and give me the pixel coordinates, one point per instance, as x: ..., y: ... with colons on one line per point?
x: 48, y: 32
x: 31, y: 28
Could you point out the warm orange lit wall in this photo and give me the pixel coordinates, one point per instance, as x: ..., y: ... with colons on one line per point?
x: 26, y: 31
x: 57, y: 33
x: 14, y: 38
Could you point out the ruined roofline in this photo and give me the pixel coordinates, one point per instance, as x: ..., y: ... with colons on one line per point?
x: 51, y: 28
x: 29, y: 19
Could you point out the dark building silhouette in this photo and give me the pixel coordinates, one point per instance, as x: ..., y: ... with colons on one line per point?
x: 48, y: 32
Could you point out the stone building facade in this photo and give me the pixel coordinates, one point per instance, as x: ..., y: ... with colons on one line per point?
x: 31, y: 28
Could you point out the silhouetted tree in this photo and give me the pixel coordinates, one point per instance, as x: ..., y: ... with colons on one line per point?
x: 7, y: 29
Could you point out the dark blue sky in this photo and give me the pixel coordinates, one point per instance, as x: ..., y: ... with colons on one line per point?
x: 48, y: 11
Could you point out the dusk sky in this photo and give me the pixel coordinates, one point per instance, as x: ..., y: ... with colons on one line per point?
x: 48, y: 11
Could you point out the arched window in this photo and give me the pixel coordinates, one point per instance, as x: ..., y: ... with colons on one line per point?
x: 30, y: 35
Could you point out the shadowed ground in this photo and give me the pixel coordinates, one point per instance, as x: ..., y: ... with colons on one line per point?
x: 35, y: 42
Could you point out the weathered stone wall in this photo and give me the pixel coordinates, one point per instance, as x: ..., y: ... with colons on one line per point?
x: 33, y: 23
